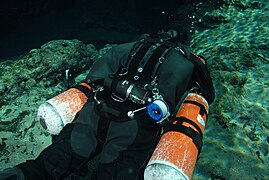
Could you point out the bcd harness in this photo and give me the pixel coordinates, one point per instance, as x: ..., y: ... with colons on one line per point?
x: 137, y: 80
x: 145, y: 59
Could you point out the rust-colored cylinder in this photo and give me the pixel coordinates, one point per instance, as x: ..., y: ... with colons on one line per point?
x: 175, y: 155
x: 60, y: 110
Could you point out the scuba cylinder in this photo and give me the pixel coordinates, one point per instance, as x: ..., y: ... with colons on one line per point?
x: 60, y: 110
x: 177, y: 151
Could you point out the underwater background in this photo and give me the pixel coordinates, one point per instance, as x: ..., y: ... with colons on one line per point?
x: 41, y: 39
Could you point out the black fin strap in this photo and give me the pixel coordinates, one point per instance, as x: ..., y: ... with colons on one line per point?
x: 84, y: 89
x: 202, y: 108
x: 188, y: 131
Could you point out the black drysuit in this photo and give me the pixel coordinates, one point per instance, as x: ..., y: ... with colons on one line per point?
x: 124, y: 144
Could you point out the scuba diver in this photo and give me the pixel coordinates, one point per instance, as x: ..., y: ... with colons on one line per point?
x: 119, y: 121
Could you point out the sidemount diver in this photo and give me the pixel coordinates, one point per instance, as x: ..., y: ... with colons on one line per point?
x: 136, y: 96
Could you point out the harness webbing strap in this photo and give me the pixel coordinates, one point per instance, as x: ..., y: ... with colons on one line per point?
x: 146, y: 75
x: 181, y: 120
x: 114, y: 83
x: 197, y: 137
x: 202, y: 108
x: 135, y: 59
x: 138, y: 46
x: 145, y: 59
x: 157, y: 40
x: 160, y: 61
x: 181, y: 101
x: 84, y: 89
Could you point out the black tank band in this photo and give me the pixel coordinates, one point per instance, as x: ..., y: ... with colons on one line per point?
x: 84, y: 89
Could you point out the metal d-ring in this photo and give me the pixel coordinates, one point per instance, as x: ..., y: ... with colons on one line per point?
x: 161, y: 59
x: 117, y: 98
x: 123, y: 72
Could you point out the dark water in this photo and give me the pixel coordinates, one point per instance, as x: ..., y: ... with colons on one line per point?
x: 29, y: 24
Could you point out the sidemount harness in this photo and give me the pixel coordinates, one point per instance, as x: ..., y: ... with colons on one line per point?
x: 137, y: 80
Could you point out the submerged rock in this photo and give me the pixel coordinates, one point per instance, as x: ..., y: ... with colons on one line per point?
x: 44, y: 67
x: 26, y: 83
x: 235, y: 140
